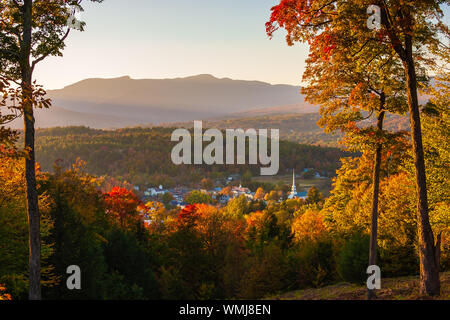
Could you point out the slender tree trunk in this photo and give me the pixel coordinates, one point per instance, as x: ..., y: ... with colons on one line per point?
x: 429, y: 274
x: 32, y: 207
x: 375, y: 196
x: 30, y: 161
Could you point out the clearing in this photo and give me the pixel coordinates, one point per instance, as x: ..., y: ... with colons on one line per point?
x: 405, y: 288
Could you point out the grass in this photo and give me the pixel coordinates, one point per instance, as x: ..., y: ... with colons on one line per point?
x: 405, y: 288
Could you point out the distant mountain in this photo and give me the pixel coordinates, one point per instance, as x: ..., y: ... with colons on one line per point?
x: 223, y: 103
x: 121, y: 102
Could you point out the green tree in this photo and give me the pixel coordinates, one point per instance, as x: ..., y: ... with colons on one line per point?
x: 352, y: 261
x: 309, y: 174
x: 197, y: 197
x: 31, y: 31
x: 314, y: 196
x: 80, y: 223
x: 166, y: 199
x: 127, y: 258
x: 14, y: 250
x: 436, y: 129
x: 237, y: 207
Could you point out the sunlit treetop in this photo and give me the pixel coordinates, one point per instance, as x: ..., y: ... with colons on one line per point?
x: 352, y: 72
x: 311, y: 21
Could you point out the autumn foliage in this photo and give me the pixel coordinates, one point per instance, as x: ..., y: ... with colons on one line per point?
x: 247, y: 249
x: 3, y: 294
x: 308, y: 226
x: 122, y: 205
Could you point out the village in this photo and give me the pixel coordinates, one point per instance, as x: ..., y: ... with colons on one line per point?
x: 232, y: 189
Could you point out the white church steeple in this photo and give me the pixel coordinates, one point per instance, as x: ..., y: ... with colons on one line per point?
x: 293, y: 193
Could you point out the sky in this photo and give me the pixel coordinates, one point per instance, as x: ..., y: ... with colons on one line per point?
x: 154, y: 39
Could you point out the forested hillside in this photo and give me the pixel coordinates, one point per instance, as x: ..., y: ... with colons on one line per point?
x: 295, y: 127
x: 142, y: 156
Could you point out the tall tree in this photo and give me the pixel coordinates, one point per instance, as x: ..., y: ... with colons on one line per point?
x: 411, y: 29
x: 350, y: 94
x: 32, y: 30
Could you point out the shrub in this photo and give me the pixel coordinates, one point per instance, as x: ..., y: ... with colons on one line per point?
x: 265, y: 275
x: 398, y: 260
x: 16, y: 287
x: 312, y: 263
x: 353, y: 259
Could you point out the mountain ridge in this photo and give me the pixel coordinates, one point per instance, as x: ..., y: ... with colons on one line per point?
x: 123, y: 101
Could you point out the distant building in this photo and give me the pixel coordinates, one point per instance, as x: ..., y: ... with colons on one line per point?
x: 238, y: 191
x: 302, y: 195
x: 316, y: 174
x: 294, y: 194
x: 223, y: 199
x: 155, y: 192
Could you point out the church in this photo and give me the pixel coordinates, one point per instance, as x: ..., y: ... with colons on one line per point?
x: 294, y: 194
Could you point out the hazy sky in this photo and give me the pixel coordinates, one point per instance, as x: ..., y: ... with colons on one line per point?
x: 175, y: 38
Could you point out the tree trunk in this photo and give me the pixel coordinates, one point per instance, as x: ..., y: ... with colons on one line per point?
x: 30, y: 161
x: 375, y: 196
x: 32, y: 207
x: 437, y: 252
x: 429, y: 275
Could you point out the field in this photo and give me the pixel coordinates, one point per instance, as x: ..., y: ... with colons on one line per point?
x: 323, y: 184
x: 406, y: 288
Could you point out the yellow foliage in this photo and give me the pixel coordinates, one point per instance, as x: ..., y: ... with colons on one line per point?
x: 309, y: 225
x: 13, y: 216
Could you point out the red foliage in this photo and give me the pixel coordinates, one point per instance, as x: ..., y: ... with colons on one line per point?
x: 289, y: 14
x: 187, y: 212
x: 122, y: 204
x: 191, y: 213
x: 295, y: 16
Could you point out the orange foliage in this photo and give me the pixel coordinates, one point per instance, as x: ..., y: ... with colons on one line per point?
x: 3, y: 295
x: 308, y: 225
x: 207, y: 220
x: 255, y: 221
